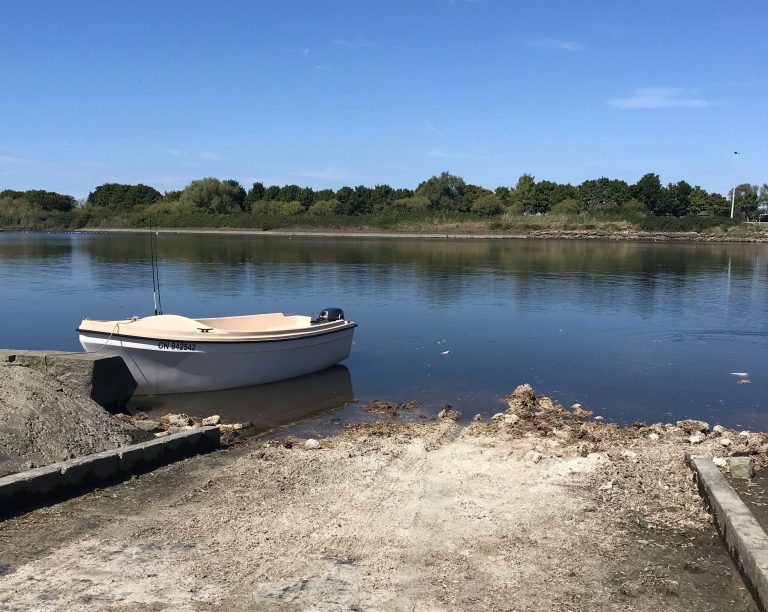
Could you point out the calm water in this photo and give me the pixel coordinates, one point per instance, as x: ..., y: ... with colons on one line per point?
x: 633, y: 331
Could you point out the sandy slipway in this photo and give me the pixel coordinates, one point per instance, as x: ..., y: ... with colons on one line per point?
x: 542, y: 508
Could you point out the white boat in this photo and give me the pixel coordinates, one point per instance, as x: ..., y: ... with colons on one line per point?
x: 175, y: 354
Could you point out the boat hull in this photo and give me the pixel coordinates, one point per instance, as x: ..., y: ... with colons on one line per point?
x: 165, y: 366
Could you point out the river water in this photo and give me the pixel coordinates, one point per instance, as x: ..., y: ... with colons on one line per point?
x: 633, y: 331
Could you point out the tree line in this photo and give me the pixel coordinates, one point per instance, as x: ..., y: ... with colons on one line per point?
x: 442, y: 193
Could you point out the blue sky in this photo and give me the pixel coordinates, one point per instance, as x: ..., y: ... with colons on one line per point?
x: 348, y: 92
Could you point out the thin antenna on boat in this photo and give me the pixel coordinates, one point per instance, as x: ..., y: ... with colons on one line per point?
x: 155, y: 271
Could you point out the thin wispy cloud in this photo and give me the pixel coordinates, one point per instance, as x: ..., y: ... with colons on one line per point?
x: 555, y: 43
x: 209, y: 155
x: 325, y: 174
x: 434, y: 130
x: 661, y: 97
x: 300, y: 51
x: 349, y: 44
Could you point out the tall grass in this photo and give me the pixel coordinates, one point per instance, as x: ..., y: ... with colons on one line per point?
x: 404, y: 221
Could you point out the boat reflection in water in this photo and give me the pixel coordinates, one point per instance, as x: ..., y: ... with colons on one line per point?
x: 267, y: 406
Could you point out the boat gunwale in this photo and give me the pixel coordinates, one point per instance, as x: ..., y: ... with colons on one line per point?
x: 301, y: 336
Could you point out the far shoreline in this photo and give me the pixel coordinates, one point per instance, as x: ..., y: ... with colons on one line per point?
x: 549, y: 234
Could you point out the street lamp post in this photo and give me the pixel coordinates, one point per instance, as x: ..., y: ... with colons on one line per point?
x: 735, y: 182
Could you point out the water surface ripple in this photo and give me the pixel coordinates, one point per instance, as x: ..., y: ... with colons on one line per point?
x: 635, y: 331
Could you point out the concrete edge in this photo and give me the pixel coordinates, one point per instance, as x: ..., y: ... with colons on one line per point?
x: 68, y: 478
x: 744, y: 538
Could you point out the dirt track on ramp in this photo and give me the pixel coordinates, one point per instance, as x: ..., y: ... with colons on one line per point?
x: 502, y: 515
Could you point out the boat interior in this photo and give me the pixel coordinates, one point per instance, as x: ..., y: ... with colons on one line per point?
x: 169, y: 326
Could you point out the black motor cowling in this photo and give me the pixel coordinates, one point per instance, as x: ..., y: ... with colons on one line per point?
x: 331, y: 314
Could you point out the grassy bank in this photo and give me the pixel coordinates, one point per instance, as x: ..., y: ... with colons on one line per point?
x: 394, y: 222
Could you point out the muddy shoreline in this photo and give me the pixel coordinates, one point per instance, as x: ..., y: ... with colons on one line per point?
x: 628, y: 235
x: 539, y: 508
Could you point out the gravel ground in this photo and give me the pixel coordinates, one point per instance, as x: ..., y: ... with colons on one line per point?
x: 43, y: 421
x: 539, y: 509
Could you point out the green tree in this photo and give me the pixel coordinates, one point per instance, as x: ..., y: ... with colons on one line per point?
x: 171, y: 196
x: 116, y: 196
x: 487, y: 205
x: 49, y: 200
x: 213, y: 195
x: 306, y: 197
x: 603, y: 191
x: 324, y: 194
x: 677, y: 200
x: 255, y: 194
x: 382, y: 197
x: 362, y: 200
x: 746, y: 199
x: 290, y: 193
x: 548, y: 193
x: 272, y: 193
x: 521, y: 195
x: 762, y: 200
x: 472, y: 193
x: 649, y: 191
x: 346, y: 196
x: 698, y: 201
x: 237, y: 191
x: 444, y: 192
x: 503, y: 194
x: 718, y: 206
x: 11, y: 194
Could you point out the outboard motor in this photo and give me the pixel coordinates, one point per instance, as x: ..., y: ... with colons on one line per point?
x: 331, y: 314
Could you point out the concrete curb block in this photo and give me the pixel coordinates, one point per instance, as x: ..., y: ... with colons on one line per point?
x: 68, y: 478
x: 744, y: 538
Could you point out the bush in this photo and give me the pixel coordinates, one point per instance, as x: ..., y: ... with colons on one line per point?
x: 634, y: 207
x: 683, y: 224
x: 265, y: 208
x: 289, y: 209
x: 412, y: 204
x: 568, y: 206
x: 324, y: 208
x: 321, y: 208
x: 605, y: 209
